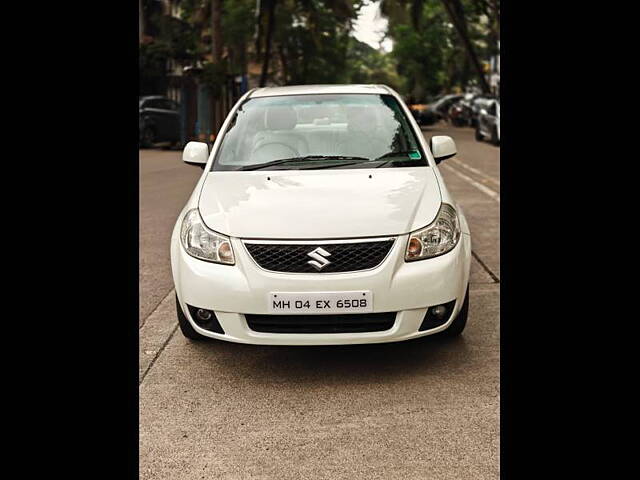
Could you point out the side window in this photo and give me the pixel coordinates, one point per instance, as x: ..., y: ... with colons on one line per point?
x: 165, y: 104
x: 492, y: 109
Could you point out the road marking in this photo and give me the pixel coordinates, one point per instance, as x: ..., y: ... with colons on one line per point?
x: 483, y: 188
x: 475, y: 170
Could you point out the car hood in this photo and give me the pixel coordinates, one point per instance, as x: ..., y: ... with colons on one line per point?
x: 317, y: 204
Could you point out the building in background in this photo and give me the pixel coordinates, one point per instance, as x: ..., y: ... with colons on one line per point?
x: 182, y: 80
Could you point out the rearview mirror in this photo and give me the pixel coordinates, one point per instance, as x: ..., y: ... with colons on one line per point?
x: 195, y: 153
x: 442, y: 147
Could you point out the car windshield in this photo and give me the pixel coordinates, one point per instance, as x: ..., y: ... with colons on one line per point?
x: 319, y: 131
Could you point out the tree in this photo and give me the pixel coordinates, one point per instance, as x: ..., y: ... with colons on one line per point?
x: 457, y: 15
x: 216, y: 30
x: 270, y: 12
x: 438, y: 43
x: 290, y: 30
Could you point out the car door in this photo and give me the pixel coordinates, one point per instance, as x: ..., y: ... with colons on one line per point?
x: 152, y: 117
x: 482, y: 116
x: 171, y: 119
x: 492, y: 113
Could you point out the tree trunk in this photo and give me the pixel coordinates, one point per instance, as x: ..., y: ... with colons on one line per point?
x: 456, y: 14
x: 271, y: 21
x: 216, y: 57
x: 285, y: 66
x: 216, y: 30
x: 140, y: 22
x: 258, y: 38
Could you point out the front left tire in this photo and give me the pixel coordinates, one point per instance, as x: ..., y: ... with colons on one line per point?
x: 457, y: 326
x: 478, y: 134
x: 148, y: 137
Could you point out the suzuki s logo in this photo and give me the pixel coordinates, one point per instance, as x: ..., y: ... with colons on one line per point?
x: 319, y: 258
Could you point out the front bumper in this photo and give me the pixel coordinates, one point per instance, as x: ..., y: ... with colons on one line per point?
x: 407, y: 288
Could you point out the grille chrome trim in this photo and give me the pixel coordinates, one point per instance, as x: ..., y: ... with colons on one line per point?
x: 319, y: 242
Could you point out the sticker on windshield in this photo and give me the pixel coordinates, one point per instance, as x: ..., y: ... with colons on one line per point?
x: 415, y: 155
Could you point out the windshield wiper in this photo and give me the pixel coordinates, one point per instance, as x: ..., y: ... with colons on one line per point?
x: 306, y: 158
x: 394, y: 154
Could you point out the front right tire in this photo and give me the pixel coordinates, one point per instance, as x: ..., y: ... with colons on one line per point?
x: 185, y: 327
x: 494, y: 136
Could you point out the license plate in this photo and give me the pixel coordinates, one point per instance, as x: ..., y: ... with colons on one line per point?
x: 320, y: 302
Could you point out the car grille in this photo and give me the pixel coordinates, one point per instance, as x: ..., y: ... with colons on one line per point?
x: 344, y: 257
x: 349, y: 323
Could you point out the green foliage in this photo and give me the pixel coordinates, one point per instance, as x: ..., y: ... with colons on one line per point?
x: 238, y: 27
x: 313, y: 43
x: 213, y: 76
x: 152, y: 61
x: 368, y: 65
x: 431, y: 58
x: 421, y: 54
x: 180, y: 37
x: 312, y: 40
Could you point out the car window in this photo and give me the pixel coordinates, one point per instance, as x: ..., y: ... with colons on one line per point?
x: 152, y: 103
x: 165, y: 104
x: 315, y: 130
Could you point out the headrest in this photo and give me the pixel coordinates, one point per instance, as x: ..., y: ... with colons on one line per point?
x: 360, y: 118
x: 281, y: 118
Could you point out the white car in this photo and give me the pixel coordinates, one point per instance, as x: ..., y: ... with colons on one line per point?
x: 320, y: 219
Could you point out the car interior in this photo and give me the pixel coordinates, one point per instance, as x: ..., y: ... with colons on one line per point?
x: 286, y: 131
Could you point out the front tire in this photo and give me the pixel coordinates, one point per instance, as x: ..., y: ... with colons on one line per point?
x: 494, y: 136
x: 458, y: 324
x: 185, y: 327
x: 148, y: 137
x: 478, y: 134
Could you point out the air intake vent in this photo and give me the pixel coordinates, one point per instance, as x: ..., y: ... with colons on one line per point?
x: 349, y: 323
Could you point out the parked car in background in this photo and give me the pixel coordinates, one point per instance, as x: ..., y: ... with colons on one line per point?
x: 460, y: 113
x: 478, y: 103
x: 159, y: 121
x: 488, y: 125
x: 441, y: 106
x: 423, y: 114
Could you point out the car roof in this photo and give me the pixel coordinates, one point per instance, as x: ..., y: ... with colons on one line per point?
x: 319, y: 89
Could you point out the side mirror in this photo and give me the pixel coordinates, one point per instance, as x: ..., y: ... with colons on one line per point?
x: 442, y: 147
x: 195, y: 153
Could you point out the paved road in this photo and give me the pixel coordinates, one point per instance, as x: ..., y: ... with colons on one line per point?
x: 165, y: 185
x: 412, y: 410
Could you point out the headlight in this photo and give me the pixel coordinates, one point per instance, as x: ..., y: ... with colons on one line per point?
x: 438, y: 238
x: 202, y: 243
